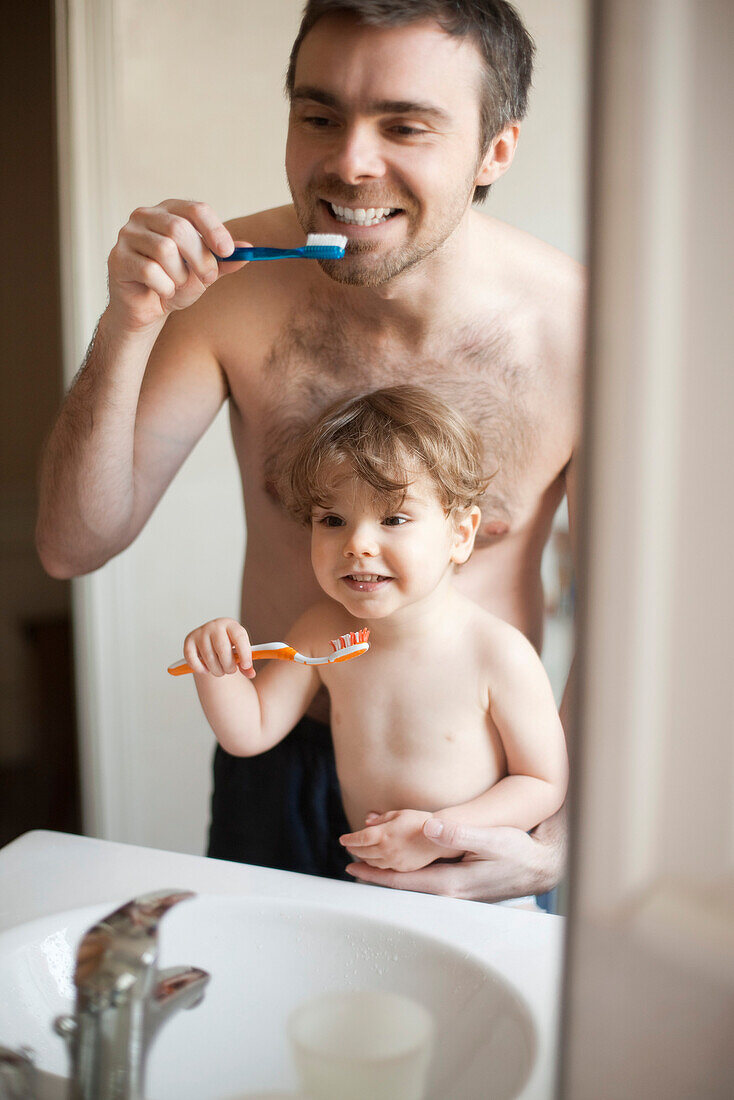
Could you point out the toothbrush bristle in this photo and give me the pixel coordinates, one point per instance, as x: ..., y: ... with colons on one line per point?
x: 326, y: 240
x: 355, y: 637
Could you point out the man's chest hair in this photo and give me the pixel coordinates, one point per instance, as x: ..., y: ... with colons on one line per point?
x: 322, y: 356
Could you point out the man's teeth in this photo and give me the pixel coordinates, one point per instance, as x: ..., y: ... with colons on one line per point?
x: 371, y: 215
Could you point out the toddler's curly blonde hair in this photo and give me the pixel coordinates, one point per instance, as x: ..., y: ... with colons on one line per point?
x: 386, y: 437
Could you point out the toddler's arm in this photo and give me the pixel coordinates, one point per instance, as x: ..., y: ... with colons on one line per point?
x: 248, y: 718
x: 524, y: 712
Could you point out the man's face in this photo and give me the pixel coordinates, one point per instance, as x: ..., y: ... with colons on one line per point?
x: 383, y: 141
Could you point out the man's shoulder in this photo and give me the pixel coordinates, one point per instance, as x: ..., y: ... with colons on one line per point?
x: 277, y: 227
x: 541, y: 290
x: 522, y: 262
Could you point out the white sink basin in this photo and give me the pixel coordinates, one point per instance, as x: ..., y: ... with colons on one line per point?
x: 266, y: 956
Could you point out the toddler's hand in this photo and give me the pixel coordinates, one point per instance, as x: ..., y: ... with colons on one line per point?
x: 394, y: 840
x: 219, y: 648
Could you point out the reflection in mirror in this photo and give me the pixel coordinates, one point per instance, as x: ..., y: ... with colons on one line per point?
x: 482, y: 306
x: 390, y: 131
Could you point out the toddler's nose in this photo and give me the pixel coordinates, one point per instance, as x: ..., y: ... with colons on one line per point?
x: 361, y: 543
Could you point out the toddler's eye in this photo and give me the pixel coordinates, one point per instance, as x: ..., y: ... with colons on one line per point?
x: 394, y: 521
x: 331, y: 521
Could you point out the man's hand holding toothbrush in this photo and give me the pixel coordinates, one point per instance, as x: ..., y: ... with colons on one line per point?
x: 164, y: 259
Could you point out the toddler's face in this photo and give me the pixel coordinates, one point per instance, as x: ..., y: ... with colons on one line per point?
x: 375, y: 561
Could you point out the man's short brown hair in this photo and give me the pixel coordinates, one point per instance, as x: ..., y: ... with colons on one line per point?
x: 385, y: 437
x: 505, y: 46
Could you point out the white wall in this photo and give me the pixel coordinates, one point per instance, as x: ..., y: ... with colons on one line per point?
x: 185, y: 99
x: 545, y: 191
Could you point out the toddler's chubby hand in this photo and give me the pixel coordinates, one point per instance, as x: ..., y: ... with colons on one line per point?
x: 393, y: 840
x: 219, y: 648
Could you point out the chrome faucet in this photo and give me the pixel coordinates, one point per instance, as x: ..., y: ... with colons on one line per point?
x: 122, y: 999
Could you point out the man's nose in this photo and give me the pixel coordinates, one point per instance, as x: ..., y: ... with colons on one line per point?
x: 356, y: 154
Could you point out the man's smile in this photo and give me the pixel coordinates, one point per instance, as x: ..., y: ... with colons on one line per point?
x: 360, y: 217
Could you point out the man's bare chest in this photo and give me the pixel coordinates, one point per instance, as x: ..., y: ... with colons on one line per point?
x: 318, y: 359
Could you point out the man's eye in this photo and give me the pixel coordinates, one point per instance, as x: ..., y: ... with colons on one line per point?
x: 407, y: 131
x: 394, y: 521
x: 318, y: 121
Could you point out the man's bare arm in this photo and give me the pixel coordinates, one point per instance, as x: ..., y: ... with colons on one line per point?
x: 149, y: 388
x: 566, y: 709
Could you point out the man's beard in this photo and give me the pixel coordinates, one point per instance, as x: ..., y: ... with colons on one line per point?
x: 382, y: 270
x: 355, y: 269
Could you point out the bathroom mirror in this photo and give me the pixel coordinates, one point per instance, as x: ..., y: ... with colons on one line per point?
x: 179, y: 100
x: 187, y: 100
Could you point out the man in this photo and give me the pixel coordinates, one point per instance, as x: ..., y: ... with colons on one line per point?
x: 402, y: 112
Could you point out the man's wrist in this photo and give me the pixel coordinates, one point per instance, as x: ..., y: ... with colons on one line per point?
x: 114, y: 327
x: 550, y: 849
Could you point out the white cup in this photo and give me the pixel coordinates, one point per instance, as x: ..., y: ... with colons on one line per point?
x: 362, y: 1046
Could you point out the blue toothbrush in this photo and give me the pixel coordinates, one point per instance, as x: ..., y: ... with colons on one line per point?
x: 318, y: 246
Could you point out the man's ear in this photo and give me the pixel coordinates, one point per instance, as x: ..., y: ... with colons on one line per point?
x: 499, y: 156
x: 466, y: 522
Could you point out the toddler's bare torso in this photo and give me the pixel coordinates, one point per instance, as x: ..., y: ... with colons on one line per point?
x: 411, y: 723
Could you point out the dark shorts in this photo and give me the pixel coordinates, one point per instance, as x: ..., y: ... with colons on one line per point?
x: 283, y: 808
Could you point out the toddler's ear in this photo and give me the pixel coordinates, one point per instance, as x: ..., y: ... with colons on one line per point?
x: 466, y: 523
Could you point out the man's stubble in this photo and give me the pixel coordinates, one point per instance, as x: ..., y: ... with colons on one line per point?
x: 355, y: 269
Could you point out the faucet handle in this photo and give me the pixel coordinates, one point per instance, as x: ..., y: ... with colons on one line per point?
x: 181, y: 983
x: 178, y: 987
x: 125, y: 941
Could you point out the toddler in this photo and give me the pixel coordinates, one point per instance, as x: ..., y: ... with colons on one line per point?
x: 450, y: 713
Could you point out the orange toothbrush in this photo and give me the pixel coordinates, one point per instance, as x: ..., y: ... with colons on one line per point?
x: 344, y: 648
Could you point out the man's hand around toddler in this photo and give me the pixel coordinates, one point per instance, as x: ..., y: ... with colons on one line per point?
x: 394, y: 841
x: 499, y: 862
